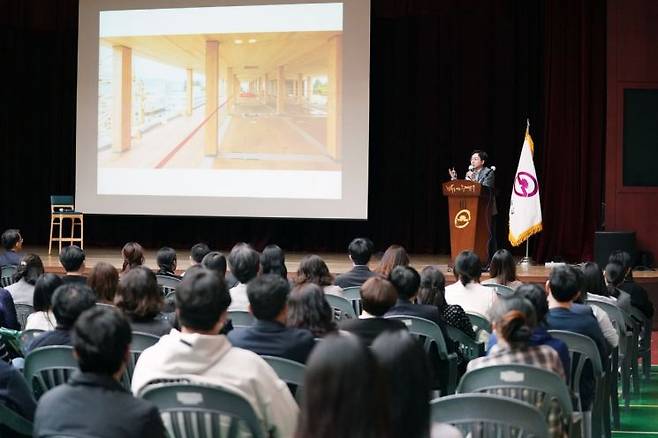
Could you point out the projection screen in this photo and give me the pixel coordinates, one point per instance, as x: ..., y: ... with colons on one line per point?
x: 223, y: 108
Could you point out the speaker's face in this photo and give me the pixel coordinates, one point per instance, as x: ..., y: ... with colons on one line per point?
x: 476, y: 162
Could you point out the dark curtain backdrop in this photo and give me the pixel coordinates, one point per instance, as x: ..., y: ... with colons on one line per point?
x: 446, y: 77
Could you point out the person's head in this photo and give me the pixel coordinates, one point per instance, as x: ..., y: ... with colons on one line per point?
x: 43, y: 291
x: 166, y: 259
x: 312, y: 269
x: 202, y: 299
x: 564, y: 283
x: 133, y: 256
x: 29, y: 269
x: 406, y: 280
x: 537, y: 297
x: 273, y: 261
x: 593, y: 280
x: 244, y: 262
x: 342, y: 373
x: 410, y: 377
x: 360, y: 250
x: 215, y: 261
x: 12, y: 240
x: 101, y: 338
x: 395, y: 255
x: 69, y: 301
x: 468, y: 267
x: 198, y: 252
x: 432, y: 287
x: 104, y: 279
x: 268, y: 296
x: 513, y: 319
x: 614, y: 276
x: 503, y: 267
x: 623, y: 258
x: 478, y: 158
x: 308, y: 309
x: 72, y: 258
x: 377, y: 296
x: 138, y: 294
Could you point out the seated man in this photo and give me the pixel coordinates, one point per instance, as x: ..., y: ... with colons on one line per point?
x: 268, y: 302
x: 93, y: 402
x: 563, y: 286
x: 12, y: 242
x: 198, y: 353
x: 360, y: 251
x: 467, y: 291
x: 15, y: 395
x: 167, y: 261
x: 244, y: 263
x: 377, y: 297
x: 69, y: 301
x: 72, y: 258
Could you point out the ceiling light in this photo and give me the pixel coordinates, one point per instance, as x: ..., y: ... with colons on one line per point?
x: 252, y: 40
x: 237, y: 41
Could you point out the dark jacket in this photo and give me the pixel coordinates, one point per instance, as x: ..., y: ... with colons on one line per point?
x: 8, y: 311
x: 355, y: 277
x: 95, y: 405
x: 270, y: 338
x: 74, y: 279
x: 639, y: 297
x: 160, y: 325
x: 14, y: 392
x: 369, y: 328
x: 10, y: 258
x: 59, y: 336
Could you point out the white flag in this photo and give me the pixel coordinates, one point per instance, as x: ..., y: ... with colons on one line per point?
x: 525, y: 207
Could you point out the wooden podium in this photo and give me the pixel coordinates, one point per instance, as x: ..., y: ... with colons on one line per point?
x: 469, y: 214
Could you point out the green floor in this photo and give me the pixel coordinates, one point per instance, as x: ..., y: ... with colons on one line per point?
x: 641, y: 419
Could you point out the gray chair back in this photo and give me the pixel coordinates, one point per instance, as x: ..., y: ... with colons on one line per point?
x: 7, y: 275
x: 468, y: 347
x: 48, y: 367
x: 22, y: 312
x: 14, y: 422
x: 167, y: 284
x: 342, y: 307
x: 480, y: 322
x: 353, y: 295
x: 241, y: 318
x: 500, y: 289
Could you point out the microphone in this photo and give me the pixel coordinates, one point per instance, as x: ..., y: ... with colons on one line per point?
x: 471, y: 167
x: 493, y: 168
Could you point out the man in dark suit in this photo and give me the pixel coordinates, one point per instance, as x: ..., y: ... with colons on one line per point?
x: 269, y: 336
x: 377, y: 297
x: 72, y: 259
x: 93, y: 402
x: 360, y: 251
x: 12, y: 242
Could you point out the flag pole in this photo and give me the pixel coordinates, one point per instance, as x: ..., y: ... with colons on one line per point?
x: 527, y: 260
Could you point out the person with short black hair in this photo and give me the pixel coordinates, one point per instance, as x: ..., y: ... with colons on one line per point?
x: 198, y: 252
x: 245, y: 263
x: 377, y: 297
x: 104, y: 280
x: 268, y: 302
x: 273, y: 261
x: 43, y: 317
x: 69, y: 301
x: 467, y: 291
x: 72, y: 259
x: 360, y: 250
x: 308, y: 309
x: 614, y: 277
x: 215, y: 261
x: 167, y: 261
x: 93, y: 402
x: 29, y: 270
x: 639, y: 297
x: 12, y: 242
x: 200, y: 354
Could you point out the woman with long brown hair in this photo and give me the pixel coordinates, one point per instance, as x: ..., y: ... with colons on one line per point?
x: 395, y: 255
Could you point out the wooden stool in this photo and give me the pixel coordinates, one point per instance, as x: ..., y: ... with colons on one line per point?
x: 61, y: 209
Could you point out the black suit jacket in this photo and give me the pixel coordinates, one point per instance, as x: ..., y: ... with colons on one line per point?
x: 405, y: 307
x: 270, y: 338
x: 369, y: 328
x: 355, y: 277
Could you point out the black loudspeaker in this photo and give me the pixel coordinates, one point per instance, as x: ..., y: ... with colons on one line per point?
x: 606, y: 242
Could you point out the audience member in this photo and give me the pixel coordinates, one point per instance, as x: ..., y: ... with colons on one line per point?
x: 308, y: 309
x: 395, y: 255
x: 15, y: 395
x: 29, y: 270
x: 12, y: 242
x: 594, y: 283
x: 580, y: 306
x: 104, y: 280
x: 360, y: 251
x: 93, y: 402
x: 166, y: 260
x: 639, y: 297
x: 615, y: 277
x: 140, y: 298
x: 467, y: 291
x: 43, y: 317
x: 72, y: 259
x: 312, y: 269
x: 268, y: 296
x: 199, y: 354
x: 273, y: 261
x: 8, y: 317
x: 432, y: 292
x: 345, y: 393
x: 133, y: 256
x: 502, y: 270
x: 69, y: 301
x: 215, y: 261
x: 244, y: 263
x: 198, y: 252
x: 377, y: 297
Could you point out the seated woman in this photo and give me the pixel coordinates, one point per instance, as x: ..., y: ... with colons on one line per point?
x: 140, y: 299
x: 432, y: 291
x: 104, y: 279
x: 312, y: 269
x: 614, y: 277
x: 502, y: 270
x: 43, y: 317
x: 29, y: 270
x: 467, y: 290
x: 593, y: 281
x: 166, y: 260
x: 273, y: 261
x: 395, y: 255
x: 377, y: 297
x: 308, y: 309
x: 133, y: 256
x: 342, y: 373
